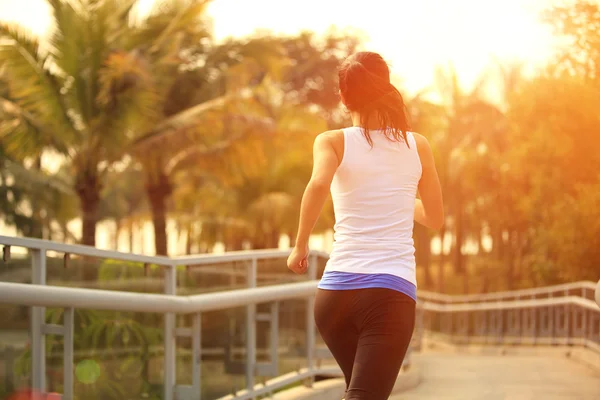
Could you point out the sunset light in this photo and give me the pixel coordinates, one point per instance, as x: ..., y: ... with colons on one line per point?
x: 313, y: 199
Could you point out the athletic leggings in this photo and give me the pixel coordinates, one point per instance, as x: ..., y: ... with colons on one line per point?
x: 368, y: 332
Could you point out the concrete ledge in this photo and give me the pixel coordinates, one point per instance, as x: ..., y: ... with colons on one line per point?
x: 589, y: 357
x: 333, y: 389
x: 329, y: 389
x: 408, y: 379
x: 585, y: 356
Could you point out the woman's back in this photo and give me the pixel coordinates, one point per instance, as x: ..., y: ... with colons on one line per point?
x: 373, y: 191
x: 365, y: 305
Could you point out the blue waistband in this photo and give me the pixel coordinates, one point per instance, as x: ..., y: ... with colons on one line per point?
x: 336, y: 280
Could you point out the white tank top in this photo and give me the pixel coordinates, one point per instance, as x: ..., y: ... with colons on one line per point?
x: 373, y: 192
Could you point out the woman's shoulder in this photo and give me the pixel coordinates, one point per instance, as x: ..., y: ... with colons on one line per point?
x: 332, y: 136
x: 420, y: 140
x: 423, y: 149
x: 332, y: 139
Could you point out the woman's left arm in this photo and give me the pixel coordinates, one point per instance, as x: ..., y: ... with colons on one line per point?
x: 325, y: 164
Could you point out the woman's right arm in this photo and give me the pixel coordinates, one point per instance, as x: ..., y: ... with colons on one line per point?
x: 429, y: 209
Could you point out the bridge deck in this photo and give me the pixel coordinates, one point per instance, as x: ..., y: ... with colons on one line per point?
x: 493, y: 377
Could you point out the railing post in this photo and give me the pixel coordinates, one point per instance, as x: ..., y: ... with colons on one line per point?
x: 196, y: 355
x: 568, y: 320
x: 38, y: 319
x: 251, y: 328
x: 310, y: 320
x: 169, y: 334
x: 68, y: 334
x: 551, y: 316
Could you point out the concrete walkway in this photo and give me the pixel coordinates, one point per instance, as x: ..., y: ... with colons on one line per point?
x: 493, y: 377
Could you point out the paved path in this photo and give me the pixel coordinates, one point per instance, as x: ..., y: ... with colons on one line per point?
x: 490, y: 377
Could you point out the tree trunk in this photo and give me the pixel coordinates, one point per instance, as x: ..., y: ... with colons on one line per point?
x: 37, y: 227
x: 465, y: 280
x: 188, y: 239
x: 459, y: 267
x: 259, y: 239
x: 158, y: 191
x: 88, y: 189
x: 131, y: 235
x: 509, y: 261
x: 423, y: 252
x: 497, y: 243
x: 292, y: 235
x: 64, y: 232
x: 275, y: 236
x: 486, y: 283
x: 480, y: 249
x: 441, y: 260
x: 118, y: 226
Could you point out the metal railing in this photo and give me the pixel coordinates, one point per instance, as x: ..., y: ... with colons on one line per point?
x: 562, y: 314
x: 38, y: 295
x: 566, y: 320
x: 584, y: 289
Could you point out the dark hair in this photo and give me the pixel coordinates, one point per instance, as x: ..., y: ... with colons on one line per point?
x: 365, y: 86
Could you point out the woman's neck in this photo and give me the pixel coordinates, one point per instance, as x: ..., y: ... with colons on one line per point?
x: 372, y: 124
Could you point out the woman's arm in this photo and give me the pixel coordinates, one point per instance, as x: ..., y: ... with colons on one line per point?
x: 419, y: 212
x: 429, y: 209
x: 316, y: 192
x: 325, y: 164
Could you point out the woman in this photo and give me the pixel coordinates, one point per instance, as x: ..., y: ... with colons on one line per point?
x: 365, y: 302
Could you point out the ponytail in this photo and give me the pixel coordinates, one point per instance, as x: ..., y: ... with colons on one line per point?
x: 366, y: 88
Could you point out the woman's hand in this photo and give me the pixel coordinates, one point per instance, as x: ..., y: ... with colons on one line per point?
x: 298, y: 260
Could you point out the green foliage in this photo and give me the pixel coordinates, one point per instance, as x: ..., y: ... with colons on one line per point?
x: 120, y: 270
x: 101, y: 336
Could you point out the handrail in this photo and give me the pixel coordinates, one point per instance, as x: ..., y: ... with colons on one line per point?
x: 97, y: 299
x: 241, y: 255
x: 512, y: 304
x: 82, y: 250
x: 432, y: 296
x: 196, y: 259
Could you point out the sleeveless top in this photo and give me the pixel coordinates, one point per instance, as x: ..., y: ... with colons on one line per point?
x: 373, y: 192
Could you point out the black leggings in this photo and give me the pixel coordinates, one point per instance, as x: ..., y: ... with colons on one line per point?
x: 368, y: 332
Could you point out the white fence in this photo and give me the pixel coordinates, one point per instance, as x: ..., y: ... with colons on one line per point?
x: 563, y: 314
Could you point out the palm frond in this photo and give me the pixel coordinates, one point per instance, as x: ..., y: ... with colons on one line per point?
x: 23, y: 133
x: 191, y: 155
x: 170, y: 27
x: 32, y: 178
x: 186, y: 16
x: 126, y: 92
x: 180, y: 122
x: 67, y: 37
x: 30, y: 80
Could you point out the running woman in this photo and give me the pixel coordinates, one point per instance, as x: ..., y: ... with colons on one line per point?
x: 365, y: 301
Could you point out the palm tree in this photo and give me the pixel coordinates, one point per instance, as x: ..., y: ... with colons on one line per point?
x: 254, y: 193
x: 84, y: 93
x: 24, y: 183
x: 106, y: 78
x: 24, y: 188
x: 426, y: 118
x: 472, y: 124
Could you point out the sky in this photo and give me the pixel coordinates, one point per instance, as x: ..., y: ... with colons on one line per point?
x: 414, y: 36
